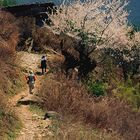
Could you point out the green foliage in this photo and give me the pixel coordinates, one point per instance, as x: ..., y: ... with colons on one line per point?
x: 96, y: 88
x: 129, y: 92
x: 126, y: 59
x: 36, y: 109
x: 7, y: 2
x: 71, y: 25
x: 88, y: 39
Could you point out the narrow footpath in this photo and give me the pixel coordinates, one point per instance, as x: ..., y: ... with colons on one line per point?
x: 34, y: 127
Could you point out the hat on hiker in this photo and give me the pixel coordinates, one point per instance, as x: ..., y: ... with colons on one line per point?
x: 31, y: 72
x: 43, y: 56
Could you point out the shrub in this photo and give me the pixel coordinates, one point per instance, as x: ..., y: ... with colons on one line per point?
x: 69, y: 90
x: 96, y: 88
x: 129, y: 92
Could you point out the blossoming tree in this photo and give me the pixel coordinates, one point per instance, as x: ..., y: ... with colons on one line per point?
x: 100, y: 24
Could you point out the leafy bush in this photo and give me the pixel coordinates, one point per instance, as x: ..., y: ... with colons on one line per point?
x: 96, y: 88
x: 129, y: 92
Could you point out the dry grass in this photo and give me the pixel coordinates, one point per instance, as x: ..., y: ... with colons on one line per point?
x: 44, y: 37
x: 8, y: 35
x: 8, y: 120
x: 71, y: 99
x: 69, y: 130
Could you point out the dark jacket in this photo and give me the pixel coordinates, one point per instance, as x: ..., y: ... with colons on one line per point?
x: 43, y: 62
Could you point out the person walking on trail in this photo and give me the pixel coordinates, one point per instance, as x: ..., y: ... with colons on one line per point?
x: 31, y: 81
x: 43, y: 64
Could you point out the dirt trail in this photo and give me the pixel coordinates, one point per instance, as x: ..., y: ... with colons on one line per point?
x: 33, y: 125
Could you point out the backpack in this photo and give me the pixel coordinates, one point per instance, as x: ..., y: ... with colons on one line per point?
x: 31, y: 79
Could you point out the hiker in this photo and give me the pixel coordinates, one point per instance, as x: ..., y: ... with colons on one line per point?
x: 31, y: 81
x: 43, y: 63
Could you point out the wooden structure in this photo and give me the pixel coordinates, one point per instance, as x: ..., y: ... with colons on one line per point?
x: 38, y: 11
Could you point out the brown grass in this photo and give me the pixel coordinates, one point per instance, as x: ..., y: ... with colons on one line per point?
x: 8, y: 37
x: 69, y: 130
x: 41, y: 36
x: 70, y: 98
x: 44, y: 37
x: 8, y: 31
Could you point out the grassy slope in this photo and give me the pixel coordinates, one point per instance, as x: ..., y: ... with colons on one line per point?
x: 10, y: 81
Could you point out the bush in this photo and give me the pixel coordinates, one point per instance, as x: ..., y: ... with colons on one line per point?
x: 70, y: 91
x: 96, y: 88
x: 129, y: 92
